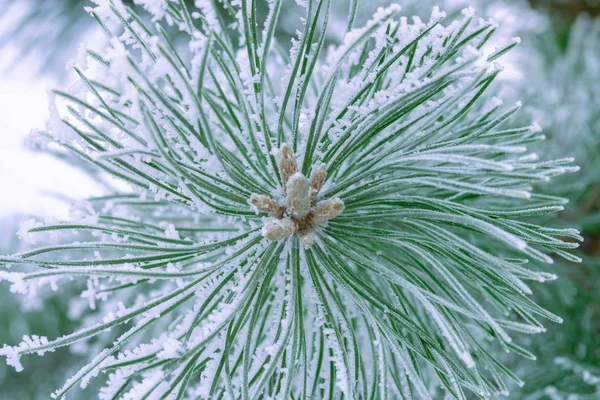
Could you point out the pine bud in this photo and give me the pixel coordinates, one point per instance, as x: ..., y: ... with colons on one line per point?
x: 317, y: 179
x: 265, y: 204
x: 298, y: 195
x: 307, y: 239
x: 326, y: 210
x: 287, y: 163
x: 277, y: 229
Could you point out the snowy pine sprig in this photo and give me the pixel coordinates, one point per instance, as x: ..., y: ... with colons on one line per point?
x: 352, y: 221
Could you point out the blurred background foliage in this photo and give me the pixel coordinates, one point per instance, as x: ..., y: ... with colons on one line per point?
x: 557, y: 78
x: 48, y: 314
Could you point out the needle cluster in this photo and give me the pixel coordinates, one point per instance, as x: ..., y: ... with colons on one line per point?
x: 402, y: 233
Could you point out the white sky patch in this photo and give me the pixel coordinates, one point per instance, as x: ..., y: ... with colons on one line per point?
x: 27, y: 178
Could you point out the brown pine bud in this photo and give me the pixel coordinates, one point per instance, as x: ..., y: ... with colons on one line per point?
x: 298, y: 196
x: 307, y: 239
x: 287, y: 163
x: 326, y: 210
x: 266, y: 204
x: 317, y: 179
x: 277, y: 229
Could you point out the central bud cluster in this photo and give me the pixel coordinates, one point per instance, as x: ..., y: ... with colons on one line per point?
x: 299, y: 211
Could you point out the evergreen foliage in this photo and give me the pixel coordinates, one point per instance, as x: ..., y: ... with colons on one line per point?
x: 409, y: 289
x: 566, y: 68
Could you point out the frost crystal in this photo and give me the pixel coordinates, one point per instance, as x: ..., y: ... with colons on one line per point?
x: 24, y: 232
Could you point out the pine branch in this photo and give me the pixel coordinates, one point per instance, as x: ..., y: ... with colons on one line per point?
x: 352, y: 222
